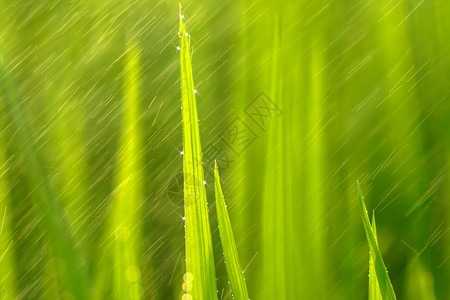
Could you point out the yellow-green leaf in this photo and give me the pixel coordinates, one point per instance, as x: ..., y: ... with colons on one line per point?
x: 199, y: 251
x: 386, y: 289
x: 234, y: 270
x: 128, y: 196
x: 374, y: 288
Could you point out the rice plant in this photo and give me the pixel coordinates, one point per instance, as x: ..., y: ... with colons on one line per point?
x: 374, y: 288
x: 200, y: 271
x: 234, y: 269
x: 380, y: 286
x: 200, y: 274
x: 295, y: 100
x: 125, y: 212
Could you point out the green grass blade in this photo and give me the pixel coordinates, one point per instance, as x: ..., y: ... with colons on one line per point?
x: 316, y: 197
x: 374, y: 288
x: 386, y: 289
x: 274, y: 262
x: 199, y: 251
x: 234, y: 270
x: 128, y: 195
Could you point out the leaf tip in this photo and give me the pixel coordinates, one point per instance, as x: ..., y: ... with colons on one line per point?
x: 359, y: 189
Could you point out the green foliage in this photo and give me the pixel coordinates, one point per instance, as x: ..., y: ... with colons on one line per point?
x: 362, y: 87
x: 199, y: 251
x: 376, y: 261
x: 374, y: 288
x: 126, y: 216
x: 234, y: 270
x: 74, y: 277
x: 8, y: 283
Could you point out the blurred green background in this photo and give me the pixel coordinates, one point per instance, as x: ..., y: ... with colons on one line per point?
x: 297, y: 100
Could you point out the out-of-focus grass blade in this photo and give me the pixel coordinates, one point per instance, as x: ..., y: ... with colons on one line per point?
x: 75, y: 278
x: 127, y: 200
x: 275, y: 184
x: 386, y: 289
x: 234, y: 270
x: 199, y: 252
x: 316, y: 195
x: 7, y: 270
x: 374, y: 288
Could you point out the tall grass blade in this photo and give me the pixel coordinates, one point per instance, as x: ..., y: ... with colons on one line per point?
x: 374, y: 287
x: 125, y: 212
x: 234, y: 270
x: 275, y: 239
x: 199, y: 252
x: 386, y: 289
x: 316, y: 195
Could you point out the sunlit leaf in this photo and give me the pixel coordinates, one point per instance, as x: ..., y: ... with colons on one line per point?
x: 382, y: 277
x: 199, y: 252
x: 234, y: 270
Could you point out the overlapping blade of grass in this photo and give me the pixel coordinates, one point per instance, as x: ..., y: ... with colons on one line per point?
x: 199, y: 252
x: 374, y: 288
x: 382, y: 277
x: 234, y: 270
x: 74, y: 279
x: 128, y: 194
x: 8, y: 288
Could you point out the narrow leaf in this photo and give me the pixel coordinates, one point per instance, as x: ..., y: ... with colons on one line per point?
x: 128, y: 195
x: 374, y: 288
x: 199, y: 252
x: 234, y: 270
x: 386, y: 289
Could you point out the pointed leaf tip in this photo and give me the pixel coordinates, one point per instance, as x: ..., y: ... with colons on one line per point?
x: 386, y: 289
x: 234, y: 270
